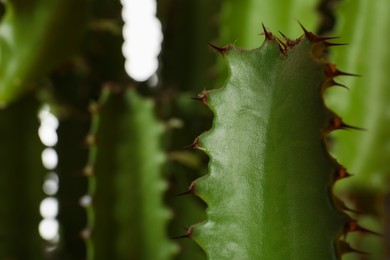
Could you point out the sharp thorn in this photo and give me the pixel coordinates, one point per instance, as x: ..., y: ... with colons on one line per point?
x: 337, y: 123
x: 345, y: 126
x: 221, y: 50
x: 315, y: 38
x: 189, y: 191
x: 353, y: 226
x: 330, y: 44
x: 194, y: 145
x: 202, y: 97
x: 332, y: 83
x: 188, y: 234
x: 331, y: 71
x: 341, y: 205
x: 268, y: 35
x: 342, y: 173
x: 345, y: 248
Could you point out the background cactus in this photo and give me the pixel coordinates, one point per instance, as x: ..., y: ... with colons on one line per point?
x: 79, y: 43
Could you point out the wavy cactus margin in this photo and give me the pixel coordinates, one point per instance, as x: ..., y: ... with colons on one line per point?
x: 125, y: 168
x: 269, y: 187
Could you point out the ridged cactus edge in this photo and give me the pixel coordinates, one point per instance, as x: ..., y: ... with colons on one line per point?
x: 126, y: 184
x: 269, y: 186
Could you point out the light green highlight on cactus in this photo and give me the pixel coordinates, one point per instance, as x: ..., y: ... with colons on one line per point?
x: 268, y: 187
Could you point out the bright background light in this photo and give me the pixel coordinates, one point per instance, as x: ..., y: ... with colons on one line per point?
x: 143, y: 37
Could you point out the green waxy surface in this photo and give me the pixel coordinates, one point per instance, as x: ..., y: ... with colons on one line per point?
x: 128, y: 190
x: 270, y: 175
x: 34, y: 36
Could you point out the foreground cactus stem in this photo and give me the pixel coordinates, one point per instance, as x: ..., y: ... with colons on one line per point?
x: 269, y: 187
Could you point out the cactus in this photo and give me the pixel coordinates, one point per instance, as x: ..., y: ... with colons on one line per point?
x: 269, y: 190
x: 271, y: 110
x: 365, y: 154
x: 52, y: 37
x: 127, y: 196
x: 21, y: 181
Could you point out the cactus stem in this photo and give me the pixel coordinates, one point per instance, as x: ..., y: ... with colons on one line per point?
x: 220, y: 50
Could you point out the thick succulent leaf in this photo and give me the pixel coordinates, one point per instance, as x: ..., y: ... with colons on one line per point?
x: 34, y: 36
x: 268, y: 189
x: 21, y: 179
x: 128, y: 195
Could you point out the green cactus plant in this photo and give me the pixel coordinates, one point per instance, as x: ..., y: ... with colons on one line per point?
x: 269, y: 190
x: 21, y: 183
x: 271, y: 110
x: 365, y: 154
x: 127, y: 186
x: 28, y: 54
